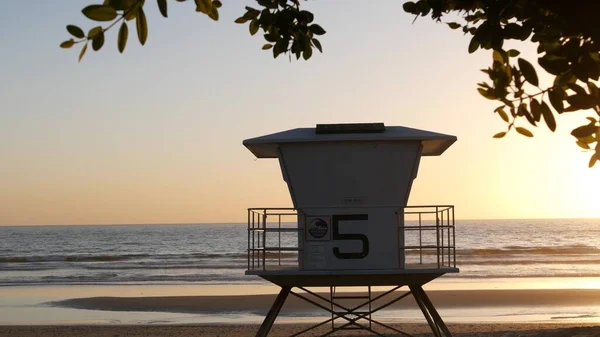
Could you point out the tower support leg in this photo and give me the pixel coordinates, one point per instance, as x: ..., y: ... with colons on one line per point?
x: 267, y: 324
x: 434, y: 319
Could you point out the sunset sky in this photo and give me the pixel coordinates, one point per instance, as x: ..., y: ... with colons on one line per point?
x: 155, y: 135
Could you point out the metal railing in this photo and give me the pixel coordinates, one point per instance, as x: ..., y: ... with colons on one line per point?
x: 429, y: 236
x: 426, y: 238
x: 262, y: 221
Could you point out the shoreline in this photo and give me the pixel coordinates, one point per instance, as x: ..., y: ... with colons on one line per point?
x: 552, y: 301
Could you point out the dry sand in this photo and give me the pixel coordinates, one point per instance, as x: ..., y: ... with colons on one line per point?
x: 459, y: 330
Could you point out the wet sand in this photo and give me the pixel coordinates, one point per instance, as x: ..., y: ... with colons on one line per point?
x: 260, y: 303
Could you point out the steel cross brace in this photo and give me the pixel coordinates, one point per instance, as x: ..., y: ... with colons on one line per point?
x: 434, y: 320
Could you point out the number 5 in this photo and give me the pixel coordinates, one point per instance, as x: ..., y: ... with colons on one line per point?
x: 335, y: 219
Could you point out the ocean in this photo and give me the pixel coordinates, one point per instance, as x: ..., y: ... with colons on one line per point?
x: 216, y: 253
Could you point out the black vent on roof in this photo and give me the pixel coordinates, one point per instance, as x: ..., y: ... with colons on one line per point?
x: 350, y: 128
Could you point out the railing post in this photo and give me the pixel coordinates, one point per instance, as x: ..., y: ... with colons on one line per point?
x: 437, y: 235
x: 279, y: 239
x: 264, y: 227
x: 453, y: 237
x: 248, y: 239
x: 420, y: 241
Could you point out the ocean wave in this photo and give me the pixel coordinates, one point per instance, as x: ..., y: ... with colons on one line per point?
x: 69, y: 258
x: 126, y: 257
x: 516, y: 250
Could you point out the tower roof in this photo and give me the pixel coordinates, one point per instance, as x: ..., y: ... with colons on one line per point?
x: 434, y: 144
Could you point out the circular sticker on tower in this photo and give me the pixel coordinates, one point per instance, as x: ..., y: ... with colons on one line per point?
x: 318, y: 228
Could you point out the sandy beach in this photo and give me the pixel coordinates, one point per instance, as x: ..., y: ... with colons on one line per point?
x: 459, y: 330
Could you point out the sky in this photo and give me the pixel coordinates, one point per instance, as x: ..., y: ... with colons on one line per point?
x: 155, y: 135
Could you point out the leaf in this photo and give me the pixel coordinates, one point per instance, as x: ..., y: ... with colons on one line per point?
x: 203, y: 6
x: 454, y: 25
x: 98, y: 41
x: 502, y: 114
x: 122, y: 38
x: 317, y: 44
x: 142, y: 26
x: 497, y: 56
x: 217, y: 3
x: 241, y: 19
x: 94, y: 31
x: 316, y: 29
x: 513, y: 53
x: 67, y: 44
x: 536, y: 109
x: 524, y: 131
x: 500, y: 134
x: 82, y: 52
x: 582, y: 101
x: 556, y: 99
x: 162, y: 7
x: 213, y: 13
x: 307, y: 53
x: 528, y: 71
x: 253, y: 27
x: 593, y: 160
x: 267, y: 46
x: 99, y: 13
x: 409, y: 7
x: 473, y: 45
x: 548, y: 116
x: 582, y: 145
x: 584, y: 131
x: 76, y: 31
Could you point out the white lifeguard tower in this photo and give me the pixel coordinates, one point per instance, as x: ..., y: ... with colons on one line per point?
x: 351, y: 226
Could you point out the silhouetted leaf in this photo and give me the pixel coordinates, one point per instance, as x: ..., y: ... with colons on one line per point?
x: 307, y: 53
x: 454, y: 25
x: 409, y: 7
x: 76, y: 31
x: 122, y: 38
x: 67, y: 44
x: 500, y: 134
x: 528, y: 72
x: 556, y: 99
x: 524, y: 131
x: 162, y: 7
x: 317, y: 45
x: 583, y: 145
x: 82, y: 52
x: 593, y: 160
x: 316, y: 29
x: 513, y: 53
x: 142, y: 26
x: 267, y: 46
x: 473, y: 45
x: 99, y: 13
x: 502, y: 114
x: 548, y: 116
x: 253, y: 27
x: 497, y: 56
x: 536, y: 110
x: 582, y: 101
x: 213, y: 13
x: 241, y: 19
x: 98, y: 41
x: 94, y: 31
x: 584, y: 131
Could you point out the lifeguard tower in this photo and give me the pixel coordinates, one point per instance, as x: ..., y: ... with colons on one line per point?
x: 350, y: 225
